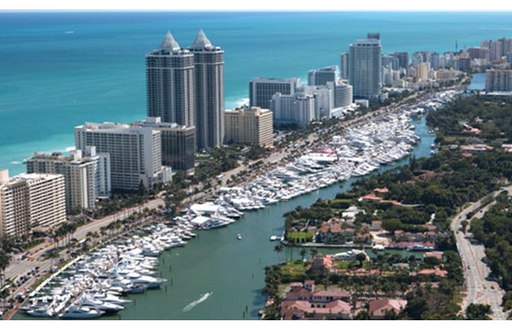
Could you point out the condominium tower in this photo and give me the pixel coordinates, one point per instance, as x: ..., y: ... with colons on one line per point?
x: 261, y: 90
x: 323, y: 75
x: 86, y: 174
x: 178, y: 143
x: 498, y: 80
x: 249, y: 125
x: 365, y: 62
x: 170, y: 83
x: 209, y: 92
x: 135, y: 153
x: 29, y: 201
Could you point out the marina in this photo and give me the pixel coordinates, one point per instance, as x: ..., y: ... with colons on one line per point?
x: 215, y: 266
x: 359, y: 151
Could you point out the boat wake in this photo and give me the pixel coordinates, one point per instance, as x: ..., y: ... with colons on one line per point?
x: 200, y: 300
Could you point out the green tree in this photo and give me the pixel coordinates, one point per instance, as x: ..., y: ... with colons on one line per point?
x: 361, y: 257
x: 416, y: 308
x: 4, y: 263
x: 478, y: 312
x: 302, y: 254
x: 392, y: 225
x: 362, y: 315
x: 464, y: 224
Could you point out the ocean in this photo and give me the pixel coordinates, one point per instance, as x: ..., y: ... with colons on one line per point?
x: 59, y: 70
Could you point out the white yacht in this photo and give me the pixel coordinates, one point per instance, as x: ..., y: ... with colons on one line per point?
x: 81, y: 312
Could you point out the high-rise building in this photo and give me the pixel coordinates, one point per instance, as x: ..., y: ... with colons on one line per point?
x: 422, y: 70
x: 324, y: 99
x: 342, y: 95
x: 178, y: 143
x: 390, y: 62
x: 365, y: 62
x: 478, y: 53
x: 170, y: 83
x: 344, y: 65
x: 261, y: 90
x: 135, y: 153
x: 86, y: 175
x: 417, y: 58
x: 498, y: 80
x: 249, y: 126
x: 209, y: 92
x: 461, y: 62
x: 435, y: 61
x: 323, y: 75
x: 297, y: 109
x: 29, y: 201
x: 403, y: 59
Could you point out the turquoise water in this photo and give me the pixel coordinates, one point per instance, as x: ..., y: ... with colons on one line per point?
x: 58, y: 70
x: 232, y: 269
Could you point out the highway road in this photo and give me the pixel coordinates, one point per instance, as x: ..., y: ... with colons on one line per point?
x: 476, y: 271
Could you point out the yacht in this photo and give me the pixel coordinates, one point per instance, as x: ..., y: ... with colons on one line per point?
x: 81, y: 312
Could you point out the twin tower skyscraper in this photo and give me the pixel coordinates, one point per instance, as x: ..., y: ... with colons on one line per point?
x: 186, y: 86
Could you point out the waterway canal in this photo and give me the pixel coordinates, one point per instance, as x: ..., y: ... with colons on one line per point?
x: 232, y: 270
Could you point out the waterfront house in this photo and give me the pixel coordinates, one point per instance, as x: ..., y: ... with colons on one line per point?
x: 381, y: 191
x: 300, y: 310
x: 378, y: 308
x: 351, y: 212
x: 475, y: 148
x: 335, y: 232
x: 321, y: 263
x: 303, y: 302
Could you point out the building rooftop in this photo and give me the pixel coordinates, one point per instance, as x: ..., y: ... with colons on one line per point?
x: 109, y: 127
x: 169, y: 43
x: 201, y: 42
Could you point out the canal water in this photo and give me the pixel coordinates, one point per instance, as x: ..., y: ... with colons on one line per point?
x: 477, y: 81
x: 231, y: 270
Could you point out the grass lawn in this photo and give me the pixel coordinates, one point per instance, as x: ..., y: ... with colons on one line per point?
x: 293, y: 271
x: 299, y: 236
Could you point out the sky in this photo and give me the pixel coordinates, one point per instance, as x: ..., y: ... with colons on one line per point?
x: 297, y: 5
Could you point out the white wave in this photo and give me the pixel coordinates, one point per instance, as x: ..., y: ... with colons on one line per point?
x: 200, y: 300
x: 71, y: 148
x: 16, y: 162
x: 242, y: 101
x: 237, y: 102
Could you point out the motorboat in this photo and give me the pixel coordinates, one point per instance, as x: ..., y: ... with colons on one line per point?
x: 81, y: 312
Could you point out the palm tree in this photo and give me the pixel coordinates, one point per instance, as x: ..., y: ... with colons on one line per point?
x: 4, y: 263
x: 279, y: 249
x: 302, y: 254
x: 52, y: 256
x: 313, y: 252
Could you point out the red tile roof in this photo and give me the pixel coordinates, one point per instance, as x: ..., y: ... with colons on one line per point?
x: 378, y: 308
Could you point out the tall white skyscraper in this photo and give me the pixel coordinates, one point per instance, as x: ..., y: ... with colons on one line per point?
x: 365, y: 63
